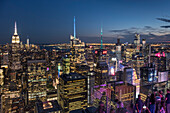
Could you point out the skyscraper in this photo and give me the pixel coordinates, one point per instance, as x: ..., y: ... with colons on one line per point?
x: 66, y: 65
x: 77, y: 51
x: 15, y: 61
x: 72, y: 92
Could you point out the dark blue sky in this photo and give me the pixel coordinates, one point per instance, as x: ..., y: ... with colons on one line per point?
x: 51, y: 21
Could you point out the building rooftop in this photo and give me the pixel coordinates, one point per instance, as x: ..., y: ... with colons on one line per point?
x: 72, y: 76
x: 77, y: 111
x: 47, y: 107
x: 83, y: 67
x: 102, y: 64
x: 87, y: 110
x: 36, y: 61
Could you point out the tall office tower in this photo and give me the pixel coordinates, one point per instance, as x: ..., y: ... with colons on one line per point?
x: 101, y: 76
x: 138, y: 62
x: 66, y: 65
x: 90, y: 57
x: 100, y: 55
x: 37, y: 79
x: 72, y: 51
x: 137, y: 39
x: 147, y: 75
x: 143, y: 43
x: 128, y: 52
x: 15, y: 61
x: 72, y: 92
x: 90, y: 86
x: 5, y: 58
x: 131, y: 77
x: 118, y: 50
x: 137, y: 42
x: 77, y: 51
x: 28, y: 43
x: 128, y: 75
x: 2, y: 76
x: 159, y: 59
x: 72, y: 59
x: 113, y: 65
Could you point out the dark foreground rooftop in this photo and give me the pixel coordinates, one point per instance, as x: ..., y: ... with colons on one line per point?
x: 47, y: 107
x: 87, y: 110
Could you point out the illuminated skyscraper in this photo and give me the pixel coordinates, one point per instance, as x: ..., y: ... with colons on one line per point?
x: 77, y: 51
x: 66, y: 65
x: 128, y: 52
x: 90, y: 57
x: 148, y: 75
x: 36, y: 68
x: 72, y: 92
x: 101, y: 76
x: 137, y: 42
x: 118, y: 49
x: 128, y: 75
x: 28, y: 43
x: 15, y: 61
x: 1, y: 79
x: 159, y: 59
x: 143, y: 43
x: 100, y: 55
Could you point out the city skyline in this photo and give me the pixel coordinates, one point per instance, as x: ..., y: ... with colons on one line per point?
x: 52, y: 22
x: 84, y: 56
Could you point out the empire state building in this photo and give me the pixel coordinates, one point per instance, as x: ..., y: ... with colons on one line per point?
x: 15, y: 61
x: 15, y: 37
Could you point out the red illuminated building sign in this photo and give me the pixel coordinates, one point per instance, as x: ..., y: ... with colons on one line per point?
x: 104, y: 52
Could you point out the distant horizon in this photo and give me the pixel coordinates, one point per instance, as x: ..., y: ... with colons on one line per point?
x: 168, y: 42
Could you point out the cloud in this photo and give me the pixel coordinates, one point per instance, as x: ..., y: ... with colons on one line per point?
x: 165, y: 26
x: 147, y: 32
x: 163, y: 19
x: 122, y: 31
x: 148, y: 27
x: 121, y: 37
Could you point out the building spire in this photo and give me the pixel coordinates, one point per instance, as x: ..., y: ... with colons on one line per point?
x: 15, y: 31
x: 101, y: 37
x: 74, y: 28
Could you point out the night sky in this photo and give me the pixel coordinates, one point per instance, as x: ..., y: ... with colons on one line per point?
x: 51, y: 21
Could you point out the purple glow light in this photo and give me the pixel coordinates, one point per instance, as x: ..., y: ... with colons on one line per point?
x: 121, y: 82
x: 96, y: 86
x: 103, y: 85
x: 47, y: 68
